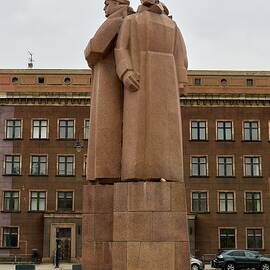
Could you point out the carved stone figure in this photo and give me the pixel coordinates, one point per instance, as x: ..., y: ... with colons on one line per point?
x: 151, y: 62
x: 104, y: 151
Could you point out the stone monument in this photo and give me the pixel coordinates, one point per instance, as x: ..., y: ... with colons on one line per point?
x: 134, y: 205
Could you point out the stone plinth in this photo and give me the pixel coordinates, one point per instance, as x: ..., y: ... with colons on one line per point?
x: 135, y: 226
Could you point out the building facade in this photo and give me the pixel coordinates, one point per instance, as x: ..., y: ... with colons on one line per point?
x: 44, y: 117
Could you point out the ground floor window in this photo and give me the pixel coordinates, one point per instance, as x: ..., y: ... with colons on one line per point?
x: 227, y: 238
x: 10, y: 237
x: 254, y: 238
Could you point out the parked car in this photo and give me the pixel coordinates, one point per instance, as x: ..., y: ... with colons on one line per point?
x: 238, y: 259
x: 196, y: 264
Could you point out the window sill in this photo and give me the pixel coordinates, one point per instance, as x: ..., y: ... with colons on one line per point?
x: 36, y: 212
x: 220, y: 177
x: 226, y: 213
x: 203, y: 141
x: 62, y: 139
x: 193, y: 176
x: 9, y: 247
x: 13, y: 139
x: 65, y: 212
x: 12, y: 212
x: 38, y: 175
x: 254, y: 213
x: 11, y: 174
x: 226, y: 141
x: 39, y: 139
x: 251, y: 141
x: 64, y: 175
x: 200, y: 213
x: 251, y: 177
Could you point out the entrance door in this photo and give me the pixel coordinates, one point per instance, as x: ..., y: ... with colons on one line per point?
x: 64, y: 235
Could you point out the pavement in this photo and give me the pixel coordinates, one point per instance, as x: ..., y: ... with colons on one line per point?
x: 62, y: 267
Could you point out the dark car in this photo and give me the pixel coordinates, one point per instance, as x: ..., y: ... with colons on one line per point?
x: 237, y: 259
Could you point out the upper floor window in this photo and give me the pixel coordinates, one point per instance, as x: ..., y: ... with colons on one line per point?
x: 198, y: 130
x: 66, y: 129
x: 250, y: 82
x: 12, y: 165
x: 200, y: 201
x: 253, y: 202
x: 11, y: 201
x: 86, y: 129
x: 225, y: 166
x: 66, y: 165
x: 65, y: 201
x: 227, y: 238
x: 40, y: 129
x: 197, y: 81
x: 10, y: 237
x: 224, y: 130
x: 199, y: 166
x: 39, y: 165
x: 226, y: 202
x: 254, y: 238
x: 251, y: 131
x: 14, y: 129
x: 252, y: 166
x: 38, y: 201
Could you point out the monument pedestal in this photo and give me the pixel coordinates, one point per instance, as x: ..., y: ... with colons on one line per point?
x: 135, y: 226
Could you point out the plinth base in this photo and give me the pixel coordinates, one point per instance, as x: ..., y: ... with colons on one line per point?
x: 135, y: 226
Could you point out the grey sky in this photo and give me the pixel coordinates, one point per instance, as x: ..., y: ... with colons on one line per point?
x: 219, y: 34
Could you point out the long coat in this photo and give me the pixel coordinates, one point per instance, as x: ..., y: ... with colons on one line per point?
x: 152, y: 46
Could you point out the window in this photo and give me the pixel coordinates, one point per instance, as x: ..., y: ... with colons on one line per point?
x: 249, y: 82
x: 227, y: 238
x: 254, y: 238
x: 198, y: 130
x: 225, y: 166
x: 66, y: 165
x: 66, y: 129
x: 252, y: 166
x: 11, y: 201
x: 199, y: 166
x: 84, y: 164
x: 41, y: 80
x: 226, y: 202
x: 38, y: 201
x: 199, y: 201
x: 197, y: 81
x: 39, y: 165
x: 12, y: 165
x: 40, y: 129
x: 14, y: 129
x: 224, y: 130
x: 10, y: 237
x: 253, y: 202
x: 67, y: 80
x: 251, y: 131
x: 15, y: 80
x: 86, y: 129
x: 65, y: 201
x: 224, y: 82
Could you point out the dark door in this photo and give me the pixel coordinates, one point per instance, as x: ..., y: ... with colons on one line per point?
x: 64, y: 235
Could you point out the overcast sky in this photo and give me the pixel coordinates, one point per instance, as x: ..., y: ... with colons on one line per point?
x: 219, y: 34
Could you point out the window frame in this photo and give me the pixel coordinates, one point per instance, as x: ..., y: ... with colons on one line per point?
x: 58, y: 128
x: 250, y: 134
x: 226, y: 201
x: 20, y: 165
x: 47, y: 128
x: 191, y: 165
x: 206, y: 130
x: 232, y: 130
x: 73, y: 200
x: 21, y: 128
x: 18, y: 237
x: 260, y: 166
x: 73, y: 165
x: 235, y: 237
x: 85, y: 127
x: 46, y: 167
x: 3, y: 201
x: 207, y: 201
x: 261, y: 201
x: 30, y: 200
x: 254, y: 228
x: 217, y: 166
